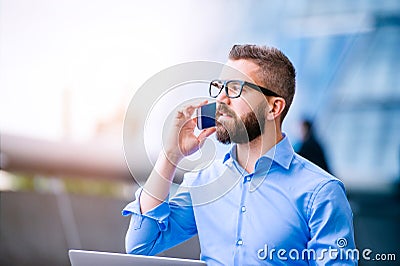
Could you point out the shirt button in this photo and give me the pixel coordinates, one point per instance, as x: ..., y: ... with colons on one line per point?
x: 239, y: 242
x: 248, y: 179
x: 243, y: 209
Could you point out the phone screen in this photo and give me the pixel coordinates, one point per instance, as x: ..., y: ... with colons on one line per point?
x: 206, y: 116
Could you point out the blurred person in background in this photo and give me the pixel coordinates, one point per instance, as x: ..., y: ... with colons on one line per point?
x: 311, y: 148
x: 261, y: 197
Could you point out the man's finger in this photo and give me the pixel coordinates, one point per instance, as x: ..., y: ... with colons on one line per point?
x: 205, y: 134
x: 201, y: 104
x: 189, y: 110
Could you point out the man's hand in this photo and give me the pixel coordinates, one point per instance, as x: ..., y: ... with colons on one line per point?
x: 182, y: 141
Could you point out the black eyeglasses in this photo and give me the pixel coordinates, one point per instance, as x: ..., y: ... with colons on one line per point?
x: 234, y: 88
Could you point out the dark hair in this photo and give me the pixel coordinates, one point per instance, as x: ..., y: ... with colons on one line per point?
x: 276, y: 71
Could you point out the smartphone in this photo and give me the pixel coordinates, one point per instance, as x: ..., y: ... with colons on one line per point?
x: 206, y: 116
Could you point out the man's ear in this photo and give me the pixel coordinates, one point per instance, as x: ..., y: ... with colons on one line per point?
x: 276, y: 106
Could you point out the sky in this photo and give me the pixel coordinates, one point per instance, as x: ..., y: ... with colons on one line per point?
x: 65, y: 65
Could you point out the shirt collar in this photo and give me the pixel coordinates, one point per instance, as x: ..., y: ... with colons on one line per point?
x: 230, y: 154
x: 282, y: 153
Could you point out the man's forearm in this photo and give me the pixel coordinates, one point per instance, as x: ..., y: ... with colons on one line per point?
x: 158, y: 184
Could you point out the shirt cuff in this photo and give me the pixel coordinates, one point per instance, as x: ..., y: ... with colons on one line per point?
x: 160, y: 213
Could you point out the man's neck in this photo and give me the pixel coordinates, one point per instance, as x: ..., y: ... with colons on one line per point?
x: 249, y: 153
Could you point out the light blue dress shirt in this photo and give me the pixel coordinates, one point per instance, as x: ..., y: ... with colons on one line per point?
x: 288, y: 211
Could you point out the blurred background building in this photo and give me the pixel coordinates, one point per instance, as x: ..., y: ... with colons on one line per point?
x: 68, y: 70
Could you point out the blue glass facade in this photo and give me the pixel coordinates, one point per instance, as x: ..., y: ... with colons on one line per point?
x: 347, y: 58
x: 352, y: 90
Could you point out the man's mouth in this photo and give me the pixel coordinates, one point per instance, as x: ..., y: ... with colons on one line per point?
x: 223, y: 113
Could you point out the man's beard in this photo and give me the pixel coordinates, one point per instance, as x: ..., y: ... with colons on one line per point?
x: 241, y: 129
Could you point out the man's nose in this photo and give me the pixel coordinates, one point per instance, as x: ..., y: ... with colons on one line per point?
x: 223, y: 98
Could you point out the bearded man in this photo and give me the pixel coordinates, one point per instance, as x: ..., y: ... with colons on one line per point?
x: 260, y: 204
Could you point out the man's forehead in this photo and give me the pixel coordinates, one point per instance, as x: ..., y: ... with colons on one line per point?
x: 240, y: 69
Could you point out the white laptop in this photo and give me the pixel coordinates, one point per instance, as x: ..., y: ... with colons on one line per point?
x: 90, y: 258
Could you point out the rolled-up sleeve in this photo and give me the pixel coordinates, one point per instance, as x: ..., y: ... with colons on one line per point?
x: 160, y: 228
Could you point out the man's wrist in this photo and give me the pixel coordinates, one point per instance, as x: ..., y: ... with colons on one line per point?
x: 173, y: 157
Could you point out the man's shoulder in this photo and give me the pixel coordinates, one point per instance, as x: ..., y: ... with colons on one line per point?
x: 311, y: 173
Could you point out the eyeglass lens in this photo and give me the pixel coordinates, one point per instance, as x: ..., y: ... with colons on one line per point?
x: 232, y: 88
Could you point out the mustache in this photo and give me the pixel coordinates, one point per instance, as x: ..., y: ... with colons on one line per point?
x: 223, y: 108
